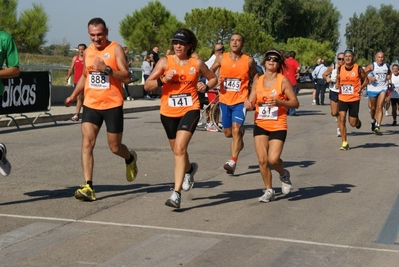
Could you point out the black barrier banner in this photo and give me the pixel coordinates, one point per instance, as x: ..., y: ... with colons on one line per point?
x: 29, y: 92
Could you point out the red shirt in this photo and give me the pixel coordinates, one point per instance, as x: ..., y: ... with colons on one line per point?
x: 292, y: 66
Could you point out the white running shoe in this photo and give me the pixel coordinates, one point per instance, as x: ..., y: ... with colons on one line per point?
x: 267, y: 196
x: 286, y: 185
x: 188, y: 181
x: 174, y: 200
x: 5, y: 166
x: 230, y: 166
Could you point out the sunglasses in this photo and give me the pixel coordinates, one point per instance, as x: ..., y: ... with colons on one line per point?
x: 341, y: 59
x: 219, y: 50
x: 274, y: 59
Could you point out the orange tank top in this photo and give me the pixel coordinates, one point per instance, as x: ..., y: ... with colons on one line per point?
x: 102, y: 91
x: 274, y: 118
x: 180, y: 94
x: 349, y: 84
x: 234, y: 88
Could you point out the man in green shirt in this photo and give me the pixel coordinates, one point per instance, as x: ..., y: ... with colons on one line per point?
x: 8, y: 57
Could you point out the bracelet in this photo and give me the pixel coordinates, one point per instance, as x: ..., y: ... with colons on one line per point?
x: 163, y: 79
x: 207, y: 88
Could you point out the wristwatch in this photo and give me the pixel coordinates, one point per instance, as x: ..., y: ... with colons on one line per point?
x: 107, y: 70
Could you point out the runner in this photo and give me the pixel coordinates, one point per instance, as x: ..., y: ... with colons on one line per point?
x: 394, y: 88
x: 234, y: 75
x: 178, y: 75
x: 377, y: 90
x: 76, y: 69
x: 103, y: 71
x: 272, y: 94
x: 351, y: 81
x: 8, y: 56
x: 330, y: 76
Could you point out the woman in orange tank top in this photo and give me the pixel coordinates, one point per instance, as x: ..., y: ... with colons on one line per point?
x: 271, y: 95
x: 178, y: 75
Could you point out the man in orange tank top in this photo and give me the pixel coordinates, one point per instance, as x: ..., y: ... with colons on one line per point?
x: 236, y: 68
x: 103, y: 71
x: 76, y: 69
x: 351, y: 80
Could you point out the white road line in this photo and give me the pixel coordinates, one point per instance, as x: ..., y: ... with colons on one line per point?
x: 200, y: 232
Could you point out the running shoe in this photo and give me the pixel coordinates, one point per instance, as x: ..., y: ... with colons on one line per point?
x: 211, y: 128
x: 386, y: 113
x: 230, y: 166
x: 286, y: 185
x: 344, y: 147
x: 338, y: 133
x: 188, y: 181
x: 5, y: 166
x: 358, y: 124
x: 85, y: 193
x: 131, y: 169
x: 75, y: 117
x: 372, y: 126
x: 394, y: 123
x: 174, y: 200
x: 377, y: 130
x: 267, y: 196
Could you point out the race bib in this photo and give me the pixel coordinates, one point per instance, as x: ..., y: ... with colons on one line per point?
x: 99, y: 80
x: 180, y: 100
x: 381, y: 76
x: 267, y: 113
x: 347, y: 89
x: 232, y: 84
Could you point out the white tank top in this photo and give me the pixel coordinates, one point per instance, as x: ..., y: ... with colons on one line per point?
x: 380, y: 73
x: 333, y: 77
x: 395, y: 82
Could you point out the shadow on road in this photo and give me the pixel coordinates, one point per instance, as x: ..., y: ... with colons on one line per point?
x: 118, y: 190
x: 299, y: 194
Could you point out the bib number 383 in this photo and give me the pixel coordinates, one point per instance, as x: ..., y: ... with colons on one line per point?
x: 180, y: 100
x: 98, y: 80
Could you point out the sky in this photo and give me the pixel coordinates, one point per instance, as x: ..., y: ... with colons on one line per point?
x: 68, y: 19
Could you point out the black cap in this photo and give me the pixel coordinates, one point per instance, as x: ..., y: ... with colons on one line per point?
x: 181, y: 36
x: 273, y: 51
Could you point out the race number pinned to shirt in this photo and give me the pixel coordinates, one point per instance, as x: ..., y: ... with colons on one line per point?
x: 347, y: 89
x: 267, y: 113
x: 180, y: 100
x: 98, y: 80
x: 232, y: 84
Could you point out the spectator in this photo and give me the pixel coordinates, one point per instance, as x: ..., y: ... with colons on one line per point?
x: 320, y: 83
x: 147, y: 67
x: 292, y: 73
x: 129, y: 63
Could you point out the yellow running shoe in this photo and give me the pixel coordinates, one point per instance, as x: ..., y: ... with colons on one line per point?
x: 131, y: 169
x: 85, y: 193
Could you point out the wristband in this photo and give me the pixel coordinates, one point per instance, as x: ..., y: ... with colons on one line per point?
x: 160, y: 83
x: 207, y: 88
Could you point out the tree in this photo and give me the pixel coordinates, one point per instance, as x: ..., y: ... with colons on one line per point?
x: 29, y: 31
x: 8, y: 15
x: 283, y: 19
x: 374, y: 31
x: 151, y: 26
x: 308, y: 50
x: 216, y: 25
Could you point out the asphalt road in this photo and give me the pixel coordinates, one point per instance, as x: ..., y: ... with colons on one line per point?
x: 344, y: 210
